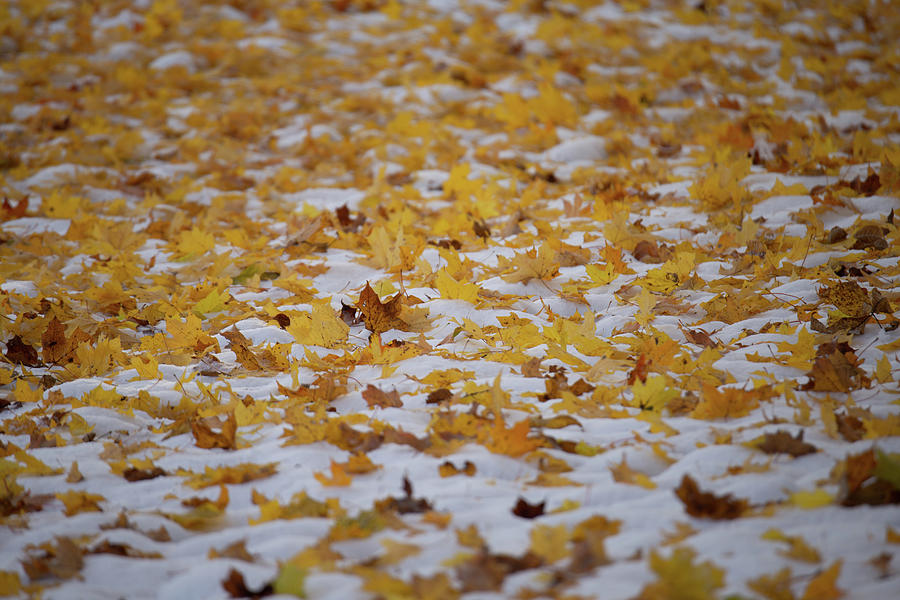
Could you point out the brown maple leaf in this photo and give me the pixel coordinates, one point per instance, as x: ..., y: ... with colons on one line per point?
x: 236, y: 587
x: 782, y: 442
x: 487, y: 571
x: 377, y: 315
x: 835, y: 369
x: 439, y: 395
x: 53, y: 342
x: 405, y: 505
x: 20, y: 353
x: 375, y: 397
x: 702, y: 504
x: 11, y: 210
x: 528, y: 511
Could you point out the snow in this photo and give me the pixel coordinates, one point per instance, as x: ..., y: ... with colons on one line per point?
x: 342, y: 95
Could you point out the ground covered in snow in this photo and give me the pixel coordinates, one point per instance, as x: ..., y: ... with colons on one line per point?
x: 481, y: 299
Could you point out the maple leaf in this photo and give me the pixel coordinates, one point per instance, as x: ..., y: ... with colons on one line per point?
x: 339, y: 476
x: 321, y: 327
x: 835, y: 369
x: 234, y: 474
x: 62, y: 559
x: 18, y: 352
x: 528, y: 511
x: 550, y: 542
x: 379, y: 317
x: 654, y: 394
x: 448, y: 469
x: 774, y: 587
x: 798, y: 549
x: 782, y: 442
x: 299, y: 506
x: 375, y: 397
x: 824, y: 585
x: 77, y: 501
x: 725, y: 403
x: 672, y: 275
x: 452, y: 289
x: 698, y: 503
x: 625, y: 474
x: 236, y: 587
x: 206, y: 437
x: 487, y: 571
x: 533, y: 264
x: 680, y: 578
x: 54, y: 346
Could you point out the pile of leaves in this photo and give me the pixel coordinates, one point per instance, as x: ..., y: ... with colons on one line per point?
x: 372, y: 298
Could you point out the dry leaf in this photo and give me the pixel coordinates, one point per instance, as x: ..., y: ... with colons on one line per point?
x: 782, y: 442
x: 702, y: 504
x: 377, y: 398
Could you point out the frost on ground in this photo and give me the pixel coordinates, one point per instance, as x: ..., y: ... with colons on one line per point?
x: 380, y: 299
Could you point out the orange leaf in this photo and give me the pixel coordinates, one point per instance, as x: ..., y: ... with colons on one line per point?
x: 339, y: 476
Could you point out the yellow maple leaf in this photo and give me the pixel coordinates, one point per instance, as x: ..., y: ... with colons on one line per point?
x: 300, y: 505
x: 194, y: 242
x: 77, y: 501
x: 205, y: 514
x: 883, y: 370
x: 241, y: 473
x: 725, y: 403
x: 98, y: 359
x: 25, y: 394
x: 550, y: 542
x: 798, y: 549
x: 680, y: 578
x: 720, y: 187
x: 459, y: 184
x: 147, y: 366
x: 524, y: 267
x: 671, y: 275
x: 212, y: 302
x: 10, y: 585
x: 513, y: 441
x: 321, y: 327
x: 451, y: 289
x: 59, y: 205
x: 653, y: 394
x: 811, y: 499
x: 824, y: 585
x: 551, y: 106
x: 625, y: 474
x: 387, y: 253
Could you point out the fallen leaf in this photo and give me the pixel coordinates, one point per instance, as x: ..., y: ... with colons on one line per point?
x: 702, y: 504
x: 236, y: 588
x: 782, y: 442
x: 528, y: 511
x: 207, y: 438
x: 377, y: 398
x: 20, y: 353
x: 824, y: 585
x: 680, y: 578
x: 379, y: 317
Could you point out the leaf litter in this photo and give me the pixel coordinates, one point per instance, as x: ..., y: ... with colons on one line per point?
x: 607, y: 291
